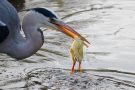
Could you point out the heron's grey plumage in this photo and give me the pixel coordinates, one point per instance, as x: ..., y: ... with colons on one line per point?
x: 15, y: 44
x: 9, y: 16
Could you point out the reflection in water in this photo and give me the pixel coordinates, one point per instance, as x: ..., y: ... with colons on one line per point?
x: 59, y: 2
x: 18, y: 4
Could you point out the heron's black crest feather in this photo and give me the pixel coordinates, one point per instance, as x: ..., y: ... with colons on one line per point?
x: 45, y: 12
x: 4, y: 32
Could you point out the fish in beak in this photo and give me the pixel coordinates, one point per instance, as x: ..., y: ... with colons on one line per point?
x: 66, y: 29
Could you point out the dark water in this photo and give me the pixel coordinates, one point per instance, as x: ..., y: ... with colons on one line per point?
x: 18, y: 4
x: 107, y: 24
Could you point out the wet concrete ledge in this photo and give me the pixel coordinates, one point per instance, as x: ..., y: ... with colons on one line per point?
x: 58, y: 79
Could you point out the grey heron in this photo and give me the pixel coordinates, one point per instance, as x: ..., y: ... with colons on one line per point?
x: 14, y: 44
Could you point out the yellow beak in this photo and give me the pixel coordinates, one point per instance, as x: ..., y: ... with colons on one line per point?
x: 70, y: 31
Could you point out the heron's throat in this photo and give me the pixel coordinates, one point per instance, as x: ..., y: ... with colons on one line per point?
x: 42, y: 35
x: 26, y: 46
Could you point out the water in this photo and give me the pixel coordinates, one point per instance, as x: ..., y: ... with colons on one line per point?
x: 107, y: 24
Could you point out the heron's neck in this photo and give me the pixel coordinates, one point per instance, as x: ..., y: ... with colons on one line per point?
x: 30, y: 44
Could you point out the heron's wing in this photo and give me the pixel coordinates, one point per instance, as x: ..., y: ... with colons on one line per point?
x: 4, y: 32
x: 9, y: 16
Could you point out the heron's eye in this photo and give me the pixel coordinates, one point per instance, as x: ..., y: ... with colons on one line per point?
x: 52, y: 20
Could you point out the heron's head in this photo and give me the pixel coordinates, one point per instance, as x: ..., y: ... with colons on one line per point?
x: 50, y: 19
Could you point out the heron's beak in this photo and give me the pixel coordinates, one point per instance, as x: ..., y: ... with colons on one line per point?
x: 66, y: 29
